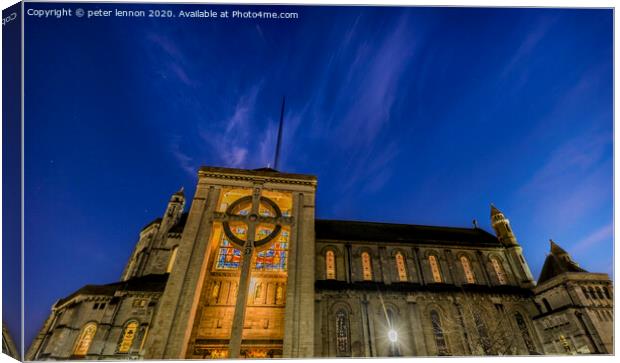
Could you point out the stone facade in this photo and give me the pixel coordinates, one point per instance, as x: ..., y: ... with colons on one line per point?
x: 249, y: 272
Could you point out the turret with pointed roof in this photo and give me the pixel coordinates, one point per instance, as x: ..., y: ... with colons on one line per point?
x: 556, y: 263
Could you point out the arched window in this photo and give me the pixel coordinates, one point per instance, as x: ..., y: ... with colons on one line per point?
x: 440, y: 339
x: 525, y: 333
x: 432, y: 260
x: 485, y: 342
x: 499, y: 271
x: 84, y: 340
x: 599, y: 292
x: 592, y: 292
x: 585, y: 292
x: 127, y: 337
x: 366, y: 266
x: 173, y: 257
x: 606, y: 291
x: 469, y: 274
x: 330, y: 265
x: 342, y: 334
x: 400, y: 266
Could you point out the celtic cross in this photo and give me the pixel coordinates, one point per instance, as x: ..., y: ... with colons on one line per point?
x: 238, y: 212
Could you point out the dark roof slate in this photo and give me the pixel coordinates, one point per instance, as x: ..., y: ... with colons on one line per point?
x: 557, y: 263
x: 152, y: 283
x: 408, y: 233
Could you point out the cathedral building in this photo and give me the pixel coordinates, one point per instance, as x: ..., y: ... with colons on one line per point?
x: 248, y: 271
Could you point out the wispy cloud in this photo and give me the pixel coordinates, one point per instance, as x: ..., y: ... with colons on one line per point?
x: 602, y: 234
x: 528, y: 45
x: 173, y: 61
x: 237, y: 141
x: 185, y: 161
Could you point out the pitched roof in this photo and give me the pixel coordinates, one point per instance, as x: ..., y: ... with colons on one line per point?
x: 408, y: 233
x: 557, y: 263
x: 152, y: 282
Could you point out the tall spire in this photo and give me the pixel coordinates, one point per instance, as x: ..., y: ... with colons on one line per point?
x: 279, y: 141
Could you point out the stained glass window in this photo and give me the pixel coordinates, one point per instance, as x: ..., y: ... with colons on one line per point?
x: 342, y: 333
x: 274, y: 259
x: 400, y: 266
x: 499, y: 271
x: 330, y: 265
x: 525, y: 333
x: 469, y: 274
x: 229, y: 257
x: 129, y: 333
x: 85, y: 339
x: 485, y: 342
x: 432, y: 260
x: 440, y: 340
x: 366, y: 266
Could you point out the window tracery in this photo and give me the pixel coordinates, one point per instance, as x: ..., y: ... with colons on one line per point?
x: 85, y: 339
x: 366, y: 266
x: 342, y: 333
x: 401, y: 267
x: 440, y: 339
x: 469, y: 274
x: 499, y: 271
x: 330, y: 265
x: 127, y: 337
x: 432, y: 260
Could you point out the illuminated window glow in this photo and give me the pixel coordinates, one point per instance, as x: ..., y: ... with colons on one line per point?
x: 469, y: 274
x: 366, y: 266
x: 85, y: 339
x: 432, y: 260
x: 330, y: 265
x: 274, y: 259
x: 129, y: 333
x: 229, y: 257
x: 400, y: 266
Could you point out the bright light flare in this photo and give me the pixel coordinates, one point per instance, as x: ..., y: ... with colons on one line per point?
x: 393, y: 336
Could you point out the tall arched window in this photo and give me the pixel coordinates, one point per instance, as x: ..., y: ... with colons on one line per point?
x: 127, y: 337
x: 440, y: 339
x: 606, y: 291
x: 432, y: 260
x: 525, y: 333
x: 173, y: 257
x: 485, y: 341
x: 366, y: 266
x: 599, y: 292
x: 469, y: 274
x: 499, y: 271
x: 84, y: 340
x: 342, y: 334
x: 585, y: 292
x: 330, y: 265
x: 401, y: 267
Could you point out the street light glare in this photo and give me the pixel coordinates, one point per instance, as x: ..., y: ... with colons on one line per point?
x: 393, y: 336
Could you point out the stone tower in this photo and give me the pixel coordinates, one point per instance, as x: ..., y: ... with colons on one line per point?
x: 576, y: 306
x: 506, y: 236
x: 240, y: 271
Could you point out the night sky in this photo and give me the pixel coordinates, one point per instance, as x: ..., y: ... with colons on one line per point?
x: 407, y: 115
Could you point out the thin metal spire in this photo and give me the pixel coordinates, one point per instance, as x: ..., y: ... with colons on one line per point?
x: 279, y: 141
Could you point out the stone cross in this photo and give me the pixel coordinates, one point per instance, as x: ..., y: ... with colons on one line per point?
x: 251, y: 220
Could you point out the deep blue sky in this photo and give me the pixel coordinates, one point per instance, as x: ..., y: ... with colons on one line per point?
x: 410, y: 115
